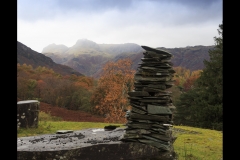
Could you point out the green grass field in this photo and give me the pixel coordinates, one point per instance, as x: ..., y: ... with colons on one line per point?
x: 198, y: 144
x: 191, y: 143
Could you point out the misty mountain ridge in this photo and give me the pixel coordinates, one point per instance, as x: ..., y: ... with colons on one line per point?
x: 88, y: 57
x: 84, y: 46
x: 30, y: 57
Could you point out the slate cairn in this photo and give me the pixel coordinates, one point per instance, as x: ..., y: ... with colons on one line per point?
x: 150, y: 119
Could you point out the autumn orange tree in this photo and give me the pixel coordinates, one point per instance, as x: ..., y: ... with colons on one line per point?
x: 184, y: 81
x: 68, y: 91
x: 184, y: 78
x: 189, y: 83
x: 110, y: 97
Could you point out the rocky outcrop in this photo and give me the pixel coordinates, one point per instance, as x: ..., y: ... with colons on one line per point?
x: 88, y: 144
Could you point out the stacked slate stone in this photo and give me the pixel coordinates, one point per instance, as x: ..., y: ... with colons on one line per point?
x: 150, y: 119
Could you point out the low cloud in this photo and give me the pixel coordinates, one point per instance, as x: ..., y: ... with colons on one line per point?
x: 154, y: 23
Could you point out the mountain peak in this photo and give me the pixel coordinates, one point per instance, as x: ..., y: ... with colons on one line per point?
x: 30, y: 57
x: 84, y: 41
x: 53, y: 48
x: 83, y: 44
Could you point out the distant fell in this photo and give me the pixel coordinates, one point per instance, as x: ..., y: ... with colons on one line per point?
x: 88, y: 57
x: 84, y: 46
x: 56, y: 48
x: 30, y: 57
x: 190, y: 57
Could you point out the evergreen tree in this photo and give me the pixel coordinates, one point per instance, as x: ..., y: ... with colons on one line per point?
x: 202, y: 105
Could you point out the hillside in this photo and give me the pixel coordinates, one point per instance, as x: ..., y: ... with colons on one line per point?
x: 88, y: 57
x: 30, y: 57
x: 69, y: 115
x: 189, y: 57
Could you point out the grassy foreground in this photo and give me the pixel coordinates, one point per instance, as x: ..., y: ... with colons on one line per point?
x: 198, y: 144
x: 191, y: 143
x: 49, y: 124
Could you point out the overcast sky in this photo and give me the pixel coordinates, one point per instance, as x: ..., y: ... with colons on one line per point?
x: 153, y: 23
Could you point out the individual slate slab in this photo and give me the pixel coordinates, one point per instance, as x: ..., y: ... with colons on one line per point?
x: 155, y: 144
x: 129, y: 135
x: 152, y: 69
x: 162, y: 67
x: 161, y: 97
x: 139, y: 107
x: 159, y: 87
x: 161, y: 126
x: 144, y: 73
x: 158, y: 68
x: 145, y: 121
x: 152, y: 79
x: 139, y: 111
x: 152, y: 109
x: 155, y: 139
x: 154, y: 54
x: 156, y: 63
x: 138, y: 94
x: 162, y: 131
x: 134, y: 98
x: 135, y: 102
x: 160, y: 56
x: 138, y: 131
x: 64, y: 131
x: 149, y: 117
x: 148, y: 89
x: 144, y: 104
x: 150, y: 59
x: 153, y: 84
x: 154, y: 100
x: 161, y: 137
x: 161, y: 52
x: 167, y: 61
x: 139, y: 125
x: 155, y: 70
x: 168, y: 125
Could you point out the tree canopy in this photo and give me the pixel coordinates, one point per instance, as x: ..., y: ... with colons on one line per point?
x: 70, y: 91
x: 110, y: 97
x: 201, y: 106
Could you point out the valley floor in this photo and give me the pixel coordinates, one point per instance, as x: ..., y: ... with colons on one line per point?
x: 69, y: 115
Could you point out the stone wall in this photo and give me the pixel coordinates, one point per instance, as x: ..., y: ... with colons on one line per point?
x: 27, y: 113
